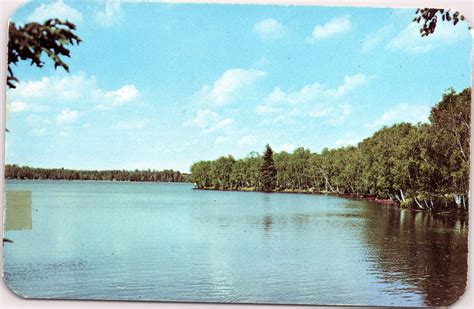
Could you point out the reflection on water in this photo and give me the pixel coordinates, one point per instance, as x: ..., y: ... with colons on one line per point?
x: 267, y: 222
x: 145, y: 241
x: 425, y: 250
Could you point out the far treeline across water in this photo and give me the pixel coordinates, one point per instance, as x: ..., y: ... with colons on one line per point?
x: 25, y: 172
x: 423, y: 166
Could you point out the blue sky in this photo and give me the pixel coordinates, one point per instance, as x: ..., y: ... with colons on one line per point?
x: 156, y: 85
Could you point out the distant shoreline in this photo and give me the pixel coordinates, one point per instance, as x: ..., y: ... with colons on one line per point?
x: 14, y: 171
x: 92, y: 180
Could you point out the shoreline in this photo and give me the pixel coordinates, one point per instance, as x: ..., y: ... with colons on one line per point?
x: 387, y: 202
x: 286, y: 191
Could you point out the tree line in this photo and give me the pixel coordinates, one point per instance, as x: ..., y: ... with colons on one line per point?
x: 423, y: 166
x: 26, y: 172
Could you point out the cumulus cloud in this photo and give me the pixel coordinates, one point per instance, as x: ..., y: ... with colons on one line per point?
x: 39, y: 94
x: 117, y: 97
x: 403, y: 113
x: 270, y: 29
x: 335, y: 26
x: 231, y: 83
x: 17, y: 107
x: 209, y: 121
x: 110, y: 15
x: 409, y: 39
x: 313, y: 100
x: 56, y: 9
x: 67, y: 116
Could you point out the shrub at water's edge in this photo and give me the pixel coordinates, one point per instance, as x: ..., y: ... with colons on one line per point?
x: 422, y: 166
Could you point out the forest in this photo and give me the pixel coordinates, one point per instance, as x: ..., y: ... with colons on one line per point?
x: 25, y: 172
x: 422, y: 166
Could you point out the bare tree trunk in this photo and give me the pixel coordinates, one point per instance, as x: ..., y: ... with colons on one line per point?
x: 402, y: 195
x: 399, y: 200
x: 458, y: 139
x: 457, y: 200
x: 418, y: 203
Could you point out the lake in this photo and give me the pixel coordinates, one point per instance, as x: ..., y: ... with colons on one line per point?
x: 160, y: 241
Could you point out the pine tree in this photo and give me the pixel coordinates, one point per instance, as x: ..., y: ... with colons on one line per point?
x: 268, y: 171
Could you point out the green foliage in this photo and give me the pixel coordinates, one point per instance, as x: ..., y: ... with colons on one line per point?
x: 26, y: 172
x: 33, y: 39
x: 423, y: 166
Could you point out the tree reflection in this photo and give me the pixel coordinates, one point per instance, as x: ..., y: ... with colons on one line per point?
x: 424, y: 250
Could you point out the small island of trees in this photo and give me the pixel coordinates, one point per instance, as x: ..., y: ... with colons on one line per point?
x: 424, y: 166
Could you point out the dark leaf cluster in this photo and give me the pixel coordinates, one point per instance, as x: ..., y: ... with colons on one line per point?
x: 31, y: 41
x: 428, y: 18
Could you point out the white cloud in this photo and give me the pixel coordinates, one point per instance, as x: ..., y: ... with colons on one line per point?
x: 270, y: 29
x: 131, y: 124
x: 110, y: 15
x: 409, y: 39
x: 209, y: 121
x: 66, y: 89
x: 372, y: 40
x: 229, y: 85
x: 266, y: 109
x: 117, y: 97
x: 56, y: 9
x: 350, y: 83
x: 17, y: 107
x: 69, y: 87
x: 403, y: 113
x: 67, y: 116
x: 335, y: 26
x: 247, y: 140
x: 313, y: 100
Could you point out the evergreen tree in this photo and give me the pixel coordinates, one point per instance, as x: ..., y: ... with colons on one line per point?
x: 268, y: 171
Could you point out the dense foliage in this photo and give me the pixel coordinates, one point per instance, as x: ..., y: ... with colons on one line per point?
x: 25, y: 172
x: 30, y: 41
x: 424, y: 165
x: 428, y: 18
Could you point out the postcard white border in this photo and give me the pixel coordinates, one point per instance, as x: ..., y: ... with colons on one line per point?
x: 8, y: 300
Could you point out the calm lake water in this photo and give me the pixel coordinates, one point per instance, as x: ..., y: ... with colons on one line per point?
x: 149, y: 241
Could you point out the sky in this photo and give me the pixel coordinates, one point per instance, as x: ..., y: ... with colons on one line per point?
x: 161, y: 86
